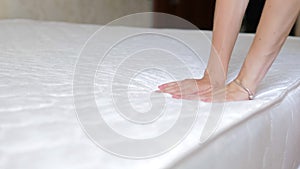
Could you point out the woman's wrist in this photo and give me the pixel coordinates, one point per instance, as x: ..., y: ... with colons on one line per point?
x: 245, y: 89
x: 217, y: 80
x: 248, y: 82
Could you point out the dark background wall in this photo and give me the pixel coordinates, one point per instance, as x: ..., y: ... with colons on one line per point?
x: 201, y: 12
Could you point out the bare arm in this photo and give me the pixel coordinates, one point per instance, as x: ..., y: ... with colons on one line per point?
x: 275, y: 24
x: 227, y: 22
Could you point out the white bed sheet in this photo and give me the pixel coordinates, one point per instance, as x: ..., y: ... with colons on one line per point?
x: 39, y: 126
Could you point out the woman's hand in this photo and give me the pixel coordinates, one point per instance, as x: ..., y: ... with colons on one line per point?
x: 201, y: 89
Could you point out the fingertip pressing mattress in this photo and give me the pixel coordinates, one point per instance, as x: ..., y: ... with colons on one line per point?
x: 45, y: 119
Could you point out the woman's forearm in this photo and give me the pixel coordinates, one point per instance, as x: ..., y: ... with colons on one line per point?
x: 227, y: 22
x: 276, y: 22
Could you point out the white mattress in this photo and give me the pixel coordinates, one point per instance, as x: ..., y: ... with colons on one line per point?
x: 39, y: 127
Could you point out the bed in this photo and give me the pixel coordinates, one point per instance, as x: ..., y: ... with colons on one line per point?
x: 44, y: 108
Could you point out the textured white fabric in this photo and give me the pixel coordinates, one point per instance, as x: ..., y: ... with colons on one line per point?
x: 39, y: 126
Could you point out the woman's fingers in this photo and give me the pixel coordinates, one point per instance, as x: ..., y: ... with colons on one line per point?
x: 168, y: 89
x: 185, y: 87
x: 187, y: 97
x: 163, y: 86
x: 171, y: 90
x: 179, y: 85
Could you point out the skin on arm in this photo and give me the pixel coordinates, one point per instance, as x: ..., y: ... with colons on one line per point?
x: 275, y: 24
x: 227, y: 21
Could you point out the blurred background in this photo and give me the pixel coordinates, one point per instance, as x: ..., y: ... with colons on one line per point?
x: 199, y: 12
